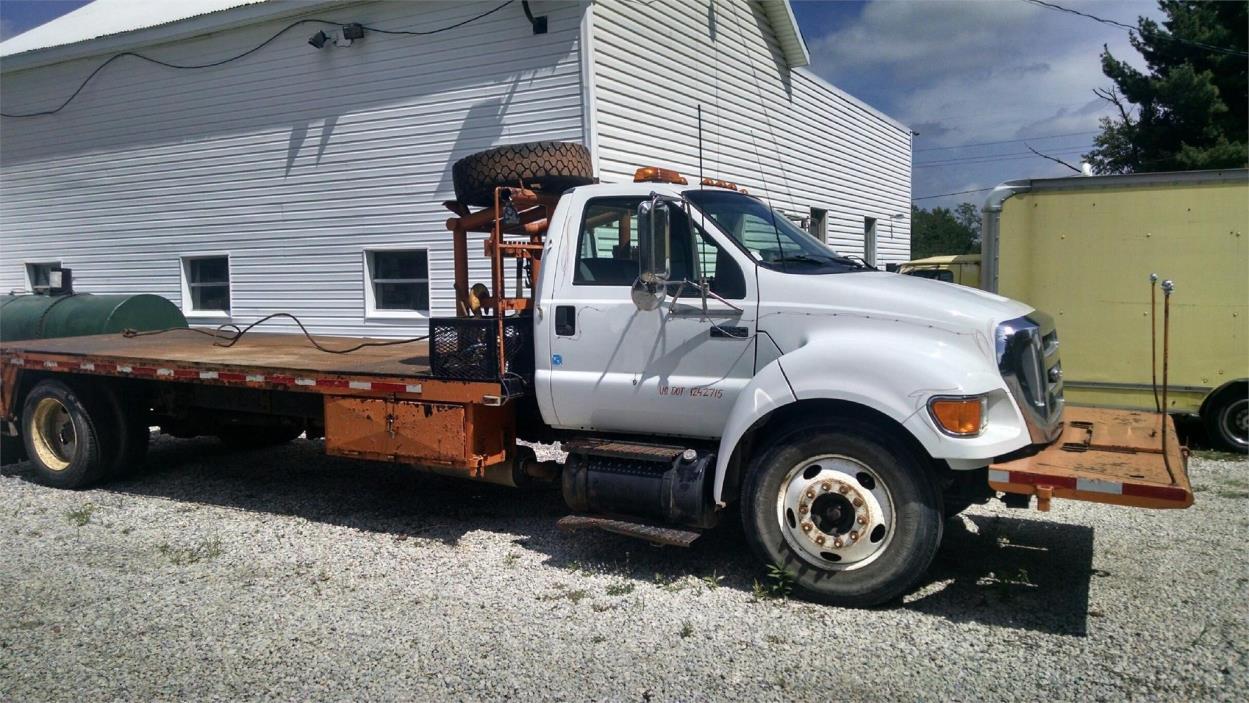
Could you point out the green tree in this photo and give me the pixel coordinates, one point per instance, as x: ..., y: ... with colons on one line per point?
x: 1190, y: 110
x: 942, y: 231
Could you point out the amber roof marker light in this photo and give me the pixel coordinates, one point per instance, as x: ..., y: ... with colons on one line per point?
x: 654, y: 174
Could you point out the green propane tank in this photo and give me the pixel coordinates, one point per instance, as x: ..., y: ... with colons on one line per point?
x: 79, y: 314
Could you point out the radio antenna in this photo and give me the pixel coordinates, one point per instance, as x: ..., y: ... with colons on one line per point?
x: 700, y: 146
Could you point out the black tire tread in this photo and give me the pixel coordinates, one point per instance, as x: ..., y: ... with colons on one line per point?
x: 1211, y: 420
x: 550, y: 167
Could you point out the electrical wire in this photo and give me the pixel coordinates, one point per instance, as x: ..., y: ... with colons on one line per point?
x: 957, y: 192
x: 230, y: 334
x: 1007, y: 141
x: 1015, y: 155
x: 441, y: 29
x: 1130, y: 28
x: 236, y: 57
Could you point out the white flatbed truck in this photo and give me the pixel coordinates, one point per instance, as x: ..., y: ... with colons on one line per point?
x: 693, y: 351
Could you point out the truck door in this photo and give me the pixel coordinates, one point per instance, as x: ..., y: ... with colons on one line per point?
x: 614, y: 367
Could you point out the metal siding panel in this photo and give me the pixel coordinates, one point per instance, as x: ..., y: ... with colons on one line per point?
x: 292, y: 160
x: 784, y: 135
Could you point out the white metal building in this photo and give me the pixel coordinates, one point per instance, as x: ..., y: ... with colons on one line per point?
x: 288, y: 179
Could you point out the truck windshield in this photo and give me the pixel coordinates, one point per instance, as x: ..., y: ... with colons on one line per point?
x: 769, y: 237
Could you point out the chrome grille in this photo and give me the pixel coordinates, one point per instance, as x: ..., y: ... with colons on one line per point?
x: 1028, y: 358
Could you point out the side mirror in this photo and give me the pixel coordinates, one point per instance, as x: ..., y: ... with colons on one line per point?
x: 654, y: 250
x: 654, y: 237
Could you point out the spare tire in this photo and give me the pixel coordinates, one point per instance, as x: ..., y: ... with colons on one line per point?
x: 549, y: 167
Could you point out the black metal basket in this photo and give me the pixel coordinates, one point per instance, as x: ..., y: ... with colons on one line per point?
x: 466, y: 348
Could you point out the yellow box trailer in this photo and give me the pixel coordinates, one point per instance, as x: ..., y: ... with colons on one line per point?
x: 1083, y: 249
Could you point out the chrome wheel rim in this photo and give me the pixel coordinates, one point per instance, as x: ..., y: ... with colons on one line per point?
x: 835, y: 512
x: 1235, y: 422
x: 54, y: 438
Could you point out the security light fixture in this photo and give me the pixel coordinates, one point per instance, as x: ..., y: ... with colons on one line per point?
x: 319, y: 39
x: 353, y: 31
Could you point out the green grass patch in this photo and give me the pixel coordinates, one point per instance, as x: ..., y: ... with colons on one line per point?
x: 80, y: 516
x: 620, y: 588
x: 204, y: 550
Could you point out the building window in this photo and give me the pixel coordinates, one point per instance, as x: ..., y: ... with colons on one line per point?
x: 37, y: 274
x: 206, y: 285
x: 869, y: 240
x: 818, y: 224
x: 397, y: 282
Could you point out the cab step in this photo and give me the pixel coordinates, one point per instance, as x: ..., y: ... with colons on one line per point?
x: 666, y: 536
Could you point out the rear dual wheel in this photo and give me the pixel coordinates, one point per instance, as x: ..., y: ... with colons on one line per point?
x: 850, y: 516
x: 77, y: 436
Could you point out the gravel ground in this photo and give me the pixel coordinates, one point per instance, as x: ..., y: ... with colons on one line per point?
x: 283, y: 573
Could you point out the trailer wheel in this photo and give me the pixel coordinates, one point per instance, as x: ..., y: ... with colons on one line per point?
x: 551, y: 167
x: 60, y: 427
x: 1226, y: 417
x: 852, y: 518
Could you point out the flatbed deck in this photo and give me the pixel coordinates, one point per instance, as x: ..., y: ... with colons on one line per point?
x: 258, y: 360
x: 291, y: 352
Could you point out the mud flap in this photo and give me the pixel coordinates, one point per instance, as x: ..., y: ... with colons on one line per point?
x: 1103, y: 456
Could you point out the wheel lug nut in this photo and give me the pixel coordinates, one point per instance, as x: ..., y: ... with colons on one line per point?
x: 858, y: 502
x: 843, y: 489
x: 819, y: 540
x: 826, y: 486
x: 854, y: 536
x: 806, y: 527
x: 810, y: 494
x: 837, y: 543
x: 862, y: 520
x: 802, y: 510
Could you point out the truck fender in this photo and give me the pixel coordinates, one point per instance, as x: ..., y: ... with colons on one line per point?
x: 766, y: 392
x: 892, y: 373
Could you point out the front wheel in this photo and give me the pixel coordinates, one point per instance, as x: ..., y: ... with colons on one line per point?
x: 851, y: 517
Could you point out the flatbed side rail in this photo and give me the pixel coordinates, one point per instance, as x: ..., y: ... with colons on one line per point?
x: 264, y: 378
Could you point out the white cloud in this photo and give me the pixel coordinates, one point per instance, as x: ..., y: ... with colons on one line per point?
x: 970, y: 72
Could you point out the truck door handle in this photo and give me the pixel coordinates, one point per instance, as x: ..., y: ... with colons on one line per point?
x: 565, y: 320
x: 730, y: 332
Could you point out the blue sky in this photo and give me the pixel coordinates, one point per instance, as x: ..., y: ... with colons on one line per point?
x: 956, y: 71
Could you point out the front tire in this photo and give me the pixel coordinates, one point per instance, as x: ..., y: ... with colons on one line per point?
x: 852, y: 517
x: 61, y: 427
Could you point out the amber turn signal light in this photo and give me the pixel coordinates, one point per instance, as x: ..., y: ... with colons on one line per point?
x: 963, y: 417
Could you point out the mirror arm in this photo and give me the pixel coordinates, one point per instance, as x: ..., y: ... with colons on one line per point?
x: 683, y: 282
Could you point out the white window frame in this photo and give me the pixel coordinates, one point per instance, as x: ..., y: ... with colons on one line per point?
x: 871, y: 226
x: 188, y: 307
x: 30, y: 282
x: 371, y: 310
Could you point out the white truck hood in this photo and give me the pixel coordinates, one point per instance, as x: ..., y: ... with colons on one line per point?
x: 874, y: 293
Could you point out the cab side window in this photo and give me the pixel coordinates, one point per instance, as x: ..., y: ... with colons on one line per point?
x: 607, y: 253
